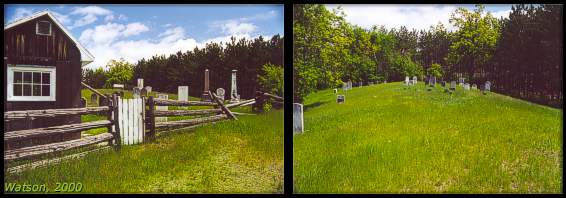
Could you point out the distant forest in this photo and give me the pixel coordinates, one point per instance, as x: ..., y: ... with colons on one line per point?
x: 521, y: 55
x: 259, y: 65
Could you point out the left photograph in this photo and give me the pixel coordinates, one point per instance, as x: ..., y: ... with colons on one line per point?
x: 143, y: 98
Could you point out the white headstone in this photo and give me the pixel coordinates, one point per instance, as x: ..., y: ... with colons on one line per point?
x: 414, y: 80
x: 140, y: 83
x: 118, y: 86
x: 234, y: 97
x: 487, y: 86
x: 407, y: 81
x: 183, y: 93
x: 298, y: 122
x: 474, y: 86
x: 453, y: 85
x: 340, y: 98
x: 220, y: 93
x: 335, y: 91
x: 136, y: 92
x: 467, y: 86
x: 162, y: 108
x: 148, y: 89
x: 345, y: 86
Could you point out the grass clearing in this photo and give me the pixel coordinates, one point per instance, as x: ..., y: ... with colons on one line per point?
x: 388, y: 139
x: 244, y: 156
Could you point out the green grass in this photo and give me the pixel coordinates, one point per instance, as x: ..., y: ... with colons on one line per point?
x: 388, y: 139
x: 244, y: 156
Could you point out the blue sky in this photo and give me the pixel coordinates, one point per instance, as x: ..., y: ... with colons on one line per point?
x: 133, y: 32
x: 420, y: 16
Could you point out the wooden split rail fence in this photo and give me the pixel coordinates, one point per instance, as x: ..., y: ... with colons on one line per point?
x: 127, y: 121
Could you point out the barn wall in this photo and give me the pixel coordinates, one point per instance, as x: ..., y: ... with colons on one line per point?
x: 23, y: 46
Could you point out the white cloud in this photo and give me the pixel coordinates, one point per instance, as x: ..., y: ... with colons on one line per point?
x: 234, y: 27
x: 134, y: 29
x: 21, y: 12
x: 395, y: 16
x: 109, y: 18
x: 122, y: 17
x: 64, y: 19
x: 89, y: 15
x: 501, y: 13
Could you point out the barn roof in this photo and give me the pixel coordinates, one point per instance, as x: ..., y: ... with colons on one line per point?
x: 86, y: 56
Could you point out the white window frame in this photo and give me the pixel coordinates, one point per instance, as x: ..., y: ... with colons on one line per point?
x: 31, y: 68
x: 37, y: 28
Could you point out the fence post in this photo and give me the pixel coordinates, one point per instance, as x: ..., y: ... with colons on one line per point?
x: 117, y: 137
x: 110, y: 117
x: 151, y: 118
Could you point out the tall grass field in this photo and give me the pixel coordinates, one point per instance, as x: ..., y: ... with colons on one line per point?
x: 243, y: 156
x: 389, y: 138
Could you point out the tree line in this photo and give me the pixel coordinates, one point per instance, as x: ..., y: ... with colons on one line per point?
x: 259, y: 65
x: 521, y: 55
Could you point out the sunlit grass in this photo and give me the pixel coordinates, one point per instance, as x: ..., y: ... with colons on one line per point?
x: 388, y: 139
x: 244, y: 156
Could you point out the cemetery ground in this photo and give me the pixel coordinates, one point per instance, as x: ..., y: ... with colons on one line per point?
x: 388, y: 139
x: 243, y: 156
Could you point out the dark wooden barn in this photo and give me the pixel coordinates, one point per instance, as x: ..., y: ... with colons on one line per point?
x: 42, y: 70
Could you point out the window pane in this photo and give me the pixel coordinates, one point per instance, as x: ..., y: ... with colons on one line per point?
x: 27, y: 90
x: 17, y: 77
x: 36, y: 77
x: 45, y: 78
x: 37, y: 90
x: 17, y: 89
x: 45, y: 90
x: 27, y: 77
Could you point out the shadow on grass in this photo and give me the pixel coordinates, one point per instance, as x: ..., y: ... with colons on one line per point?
x: 313, y: 105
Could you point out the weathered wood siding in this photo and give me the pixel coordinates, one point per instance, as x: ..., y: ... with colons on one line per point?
x: 23, y: 46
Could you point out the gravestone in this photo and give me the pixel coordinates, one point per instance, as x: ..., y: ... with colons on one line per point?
x: 183, y: 93
x: 335, y: 91
x: 93, y: 98
x: 120, y: 86
x: 220, y: 93
x: 407, y: 81
x: 466, y: 86
x: 136, y: 92
x: 140, y: 83
x: 453, y: 85
x: 205, y: 97
x: 474, y: 87
x: 340, y: 98
x: 83, y: 102
x: 298, y: 122
x: 143, y: 92
x: 370, y: 83
x: 414, y: 80
x: 345, y: 86
x: 234, y: 97
x: 162, y: 108
x: 487, y: 86
x: 148, y: 89
x: 384, y: 81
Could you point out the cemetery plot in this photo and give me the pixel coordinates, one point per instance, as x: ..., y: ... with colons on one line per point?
x: 386, y: 139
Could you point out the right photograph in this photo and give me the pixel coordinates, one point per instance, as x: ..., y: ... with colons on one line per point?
x: 457, y: 98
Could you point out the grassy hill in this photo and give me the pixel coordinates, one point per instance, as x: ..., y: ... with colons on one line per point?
x: 387, y: 138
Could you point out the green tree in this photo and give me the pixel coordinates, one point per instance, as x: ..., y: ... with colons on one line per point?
x: 119, y: 72
x: 474, y: 43
x: 436, y: 70
x: 271, y: 79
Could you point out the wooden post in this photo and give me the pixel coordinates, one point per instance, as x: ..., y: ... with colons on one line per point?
x: 226, y: 110
x: 110, y: 117
x: 151, y: 118
x: 117, y: 137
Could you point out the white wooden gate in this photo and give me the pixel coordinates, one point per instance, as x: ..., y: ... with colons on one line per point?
x: 131, y: 120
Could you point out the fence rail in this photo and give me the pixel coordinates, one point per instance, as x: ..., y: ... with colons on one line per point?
x: 127, y: 122
x: 21, y: 115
